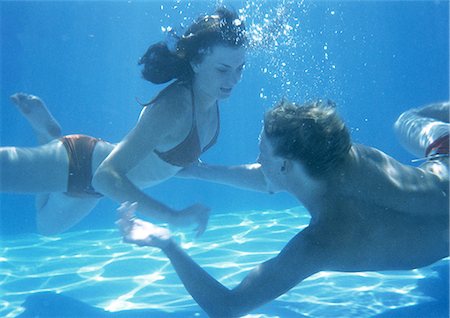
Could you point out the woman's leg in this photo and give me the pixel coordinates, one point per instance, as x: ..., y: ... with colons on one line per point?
x: 45, y: 126
x: 56, y: 212
x: 42, y: 169
x: 417, y: 128
x: 60, y: 212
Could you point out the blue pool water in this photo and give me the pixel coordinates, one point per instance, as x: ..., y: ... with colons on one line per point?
x: 97, y: 269
x: 375, y: 59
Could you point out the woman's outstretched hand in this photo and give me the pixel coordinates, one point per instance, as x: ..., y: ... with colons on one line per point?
x: 197, y: 214
x: 139, y: 232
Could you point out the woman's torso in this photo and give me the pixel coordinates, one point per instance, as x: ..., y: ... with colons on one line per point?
x: 193, y: 126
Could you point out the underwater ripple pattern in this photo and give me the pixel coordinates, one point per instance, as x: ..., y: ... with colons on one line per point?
x: 97, y: 268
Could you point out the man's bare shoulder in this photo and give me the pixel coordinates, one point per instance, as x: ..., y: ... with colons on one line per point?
x: 373, y: 162
x: 376, y: 178
x: 367, y: 161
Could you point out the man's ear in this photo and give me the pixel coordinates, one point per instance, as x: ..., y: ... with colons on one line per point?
x: 287, y: 166
x: 194, y: 66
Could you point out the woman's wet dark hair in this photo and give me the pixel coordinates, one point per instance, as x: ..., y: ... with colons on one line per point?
x: 222, y: 27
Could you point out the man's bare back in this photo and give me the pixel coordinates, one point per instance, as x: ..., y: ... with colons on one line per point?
x: 370, y: 219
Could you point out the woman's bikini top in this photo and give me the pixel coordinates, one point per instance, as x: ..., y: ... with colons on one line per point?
x: 189, y: 150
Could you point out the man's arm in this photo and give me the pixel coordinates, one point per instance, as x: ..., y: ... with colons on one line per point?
x: 298, y: 260
x: 248, y: 176
x: 266, y: 282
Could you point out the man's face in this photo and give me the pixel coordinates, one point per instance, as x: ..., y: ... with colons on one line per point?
x: 272, y: 166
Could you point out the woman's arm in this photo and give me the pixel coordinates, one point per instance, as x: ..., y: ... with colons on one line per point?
x: 111, y: 177
x: 248, y: 176
x: 156, y: 127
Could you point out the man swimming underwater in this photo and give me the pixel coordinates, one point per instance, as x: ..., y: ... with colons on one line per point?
x: 368, y: 211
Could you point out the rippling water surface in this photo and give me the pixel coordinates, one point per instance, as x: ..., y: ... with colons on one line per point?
x: 96, y: 268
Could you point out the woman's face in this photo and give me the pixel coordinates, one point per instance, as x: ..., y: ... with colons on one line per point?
x: 219, y: 71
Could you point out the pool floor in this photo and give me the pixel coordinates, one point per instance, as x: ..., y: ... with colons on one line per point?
x: 92, y: 273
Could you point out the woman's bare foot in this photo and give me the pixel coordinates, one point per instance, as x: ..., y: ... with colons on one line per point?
x: 34, y: 110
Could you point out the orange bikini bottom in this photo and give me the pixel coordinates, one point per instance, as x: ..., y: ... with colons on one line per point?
x: 80, y: 149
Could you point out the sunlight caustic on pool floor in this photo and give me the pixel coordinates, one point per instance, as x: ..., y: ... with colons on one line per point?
x: 97, y: 268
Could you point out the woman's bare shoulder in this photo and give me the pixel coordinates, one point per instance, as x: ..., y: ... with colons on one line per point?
x: 175, y: 97
x: 173, y: 104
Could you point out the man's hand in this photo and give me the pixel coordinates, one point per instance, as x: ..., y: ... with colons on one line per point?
x: 139, y: 232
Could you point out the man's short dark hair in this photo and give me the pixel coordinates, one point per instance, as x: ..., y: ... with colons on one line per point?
x: 311, y: 133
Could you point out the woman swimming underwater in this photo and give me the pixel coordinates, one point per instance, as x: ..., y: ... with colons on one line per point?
x: 70, y: 174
